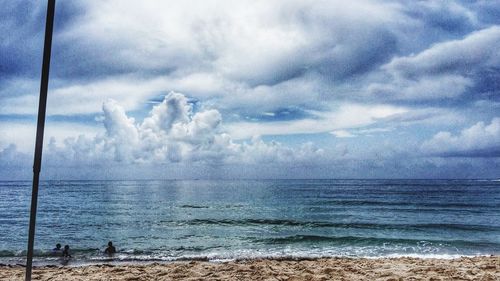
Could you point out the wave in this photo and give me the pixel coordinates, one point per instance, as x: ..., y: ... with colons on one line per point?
x: 310, y: 242
x: 348, y: 202
x: 47, y: 253
x: 325, y: 224
x: 228, y: 206
x: 358, y: 240
x: 194, y: 207
x: 422, y: 251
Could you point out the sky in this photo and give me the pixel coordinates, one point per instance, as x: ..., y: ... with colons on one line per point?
x: 253, y: 89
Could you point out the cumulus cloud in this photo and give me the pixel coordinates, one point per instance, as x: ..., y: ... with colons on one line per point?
x: 480, y: 140
x: 174, y: 132
x: 10, y: 155
x: 22, y: 132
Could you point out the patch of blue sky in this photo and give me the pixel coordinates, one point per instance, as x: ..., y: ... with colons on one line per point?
x: 18, y: 117
x: 160, y: 96
x: 281, y: 114
x: 319, y: 139
x: 87, y: 119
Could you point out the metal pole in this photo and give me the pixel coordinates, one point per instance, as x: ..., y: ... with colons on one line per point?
x: 37, y: 164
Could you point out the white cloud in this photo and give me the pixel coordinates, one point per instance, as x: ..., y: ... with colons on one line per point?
x: 249, y: 40
x: 87, y: 97
x: 342, y: 134
x: 347, y: 116
x: 475, y: 50
x: 359, y: 132
x: 249, y: 56
x: 236, y: 54
x: 444, y: 70
x: 480, y: 140
x: 425, y: 88
x: 23, y: 133
x: 253, y: 56
x: 173, y: 132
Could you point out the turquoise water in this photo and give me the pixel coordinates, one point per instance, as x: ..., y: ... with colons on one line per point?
x: 221, y: 220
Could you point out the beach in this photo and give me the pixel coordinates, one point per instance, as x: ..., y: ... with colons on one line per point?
x: 403, y: 268
x: 256, y: 230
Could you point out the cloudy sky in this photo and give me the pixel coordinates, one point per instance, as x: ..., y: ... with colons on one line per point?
x: 254, y: 89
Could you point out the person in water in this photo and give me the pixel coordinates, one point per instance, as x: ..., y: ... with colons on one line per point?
x: 57, y: 250
x: 110, y: 249
x: 66, y: 253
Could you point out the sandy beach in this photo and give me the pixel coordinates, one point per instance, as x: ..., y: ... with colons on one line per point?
x: 476, y: 268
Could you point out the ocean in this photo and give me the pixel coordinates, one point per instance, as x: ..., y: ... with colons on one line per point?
x: 220, y: 220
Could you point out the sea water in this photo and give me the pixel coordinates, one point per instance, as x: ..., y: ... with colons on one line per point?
x: 224, y: 220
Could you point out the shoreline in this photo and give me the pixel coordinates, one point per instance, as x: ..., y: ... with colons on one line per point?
x: 339, y: 268
x: 130, y: 261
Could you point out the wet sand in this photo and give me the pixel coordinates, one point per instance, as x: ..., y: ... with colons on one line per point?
x: 476, y: 268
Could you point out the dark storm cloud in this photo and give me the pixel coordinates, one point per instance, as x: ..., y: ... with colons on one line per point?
x: 342, y: 48
x: 22, y: 25
x: 446, y: 17
x: 463, y: 69
x: 488, y: 12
